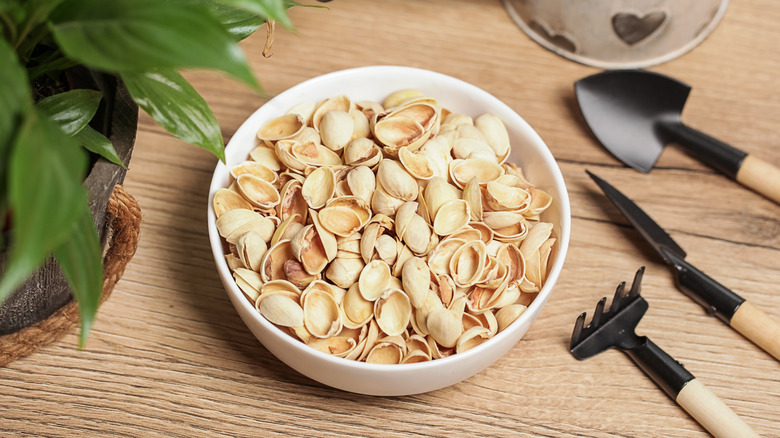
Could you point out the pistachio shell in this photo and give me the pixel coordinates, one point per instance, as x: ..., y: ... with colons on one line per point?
x: 395, y: 98
x: 234, y: 262
x: 344, y: 272
x: 281, y: 128
x: 452, y: 216
x: 385, y: 353
x: 382, y: 203
x: 249, y: 282
x: 471, y: 338
x: 509, y: 314
x: 292, y: 202
x: 251, y: 248
x: 501, y: 197
x: 362, y: 151
x: 272, y: 266
x: 374, y: 279
x: 396, y: 181
x: 417, y: 165
x: 362, y: 183
x: 338, y: 103
x: 437, y: 192
x: 336, y: 292
x: 473, y: 196
x: 336, y: 128
x: 416, y: 280
x: 304, y: 109
x: 392, y: 311
x: 319, y: 187
x: 461, y: 171
x: 496, y: 134
x: 358, y: 310
x: 445, y: 327
x: 468, y: 262
x: 258, y: 192
x: 360, y: 124
x: 253, y: 168
x: 281, y: 310
x: 267, y: 157
x: 397, y: 132
x: 225, y: 200
x: 321, y: 314
x: 464, y: 148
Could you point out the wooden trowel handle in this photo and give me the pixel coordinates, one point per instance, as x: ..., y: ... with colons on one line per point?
x: 711, y: 412
x: 757, y: 326
x: 761, y: 177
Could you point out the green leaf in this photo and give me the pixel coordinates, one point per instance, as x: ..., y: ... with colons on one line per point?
x: 97, y: 143
x: 125, y: 36
x: 177, y: 107
x: 15, y: 101
x: 80, y: 259
x: 273, y: 9
x: 71, y: 110
x: 45, y: 193
x: 238, y: 22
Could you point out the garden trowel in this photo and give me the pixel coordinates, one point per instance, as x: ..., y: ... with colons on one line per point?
x: 635, y: 113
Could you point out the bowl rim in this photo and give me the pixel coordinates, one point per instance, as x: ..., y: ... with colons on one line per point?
x: 531, y: 312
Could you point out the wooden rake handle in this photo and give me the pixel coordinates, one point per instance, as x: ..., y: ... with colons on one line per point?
x: 757, y: 326
x: 711, y: 412
x: 761, y: 177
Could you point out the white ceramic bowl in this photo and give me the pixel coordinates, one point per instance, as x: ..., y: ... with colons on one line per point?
x: 375, y: 83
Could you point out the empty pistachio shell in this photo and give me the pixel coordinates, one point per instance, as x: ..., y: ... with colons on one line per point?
x: 392, y: 311
x: 258, y: 191
x: 502, y: 197
x: 251, y: 248
x: 416, y: 278
x: 437, y: 192
x: 344, y: 272
x: 445, y: 326
x: 249, y: 282
x: 281, y: 310
x: 396, y: 181
x: 374, y: 280
x: 253, y: 168
x: 225, y: 200
x: 496, y: 134
x: 395, y: 98
x: 272, y: 266
x: 336, y: 128
x: 461, y: 171
x: 267, y: 157
x: 362, y: 183
x: 362, y: 151
x: 321, y: 314
x: 452, y: 216
x: 319, y: 187
x: 358, y: 310
x: 385, y: 353
x: 509, y: 314
x: 338, y: 103
x: 467, y: 263
x: 471, y: 338
x: 282, y: 127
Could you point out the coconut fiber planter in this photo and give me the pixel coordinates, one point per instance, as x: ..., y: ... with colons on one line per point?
x: 43, y: 309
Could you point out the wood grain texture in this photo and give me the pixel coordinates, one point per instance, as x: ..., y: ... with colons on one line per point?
x: 169, y: 356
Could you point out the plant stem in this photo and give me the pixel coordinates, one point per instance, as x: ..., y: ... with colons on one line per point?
x: 10, y: 25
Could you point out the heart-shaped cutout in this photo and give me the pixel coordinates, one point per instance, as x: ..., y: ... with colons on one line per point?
x: 631, y: 28
x: 558, y: 40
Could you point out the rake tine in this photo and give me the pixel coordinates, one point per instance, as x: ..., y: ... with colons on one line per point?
x: 577, y: 333
x: 636, y: 286
x: 598, y: 312
x: 619, y: 300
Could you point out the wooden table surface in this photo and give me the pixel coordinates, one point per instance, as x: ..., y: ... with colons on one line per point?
x: 169, y: 356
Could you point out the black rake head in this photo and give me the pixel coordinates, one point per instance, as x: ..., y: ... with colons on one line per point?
x: 613, y: 327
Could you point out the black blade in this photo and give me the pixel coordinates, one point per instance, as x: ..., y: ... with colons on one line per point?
x: 651, y: 231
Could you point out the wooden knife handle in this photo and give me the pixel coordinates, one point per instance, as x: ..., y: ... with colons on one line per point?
x: 757, y: 326
x: 711, y: 412
x: 760, y: 176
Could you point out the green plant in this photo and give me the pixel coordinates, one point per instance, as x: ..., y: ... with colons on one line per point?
x: 42, y: 162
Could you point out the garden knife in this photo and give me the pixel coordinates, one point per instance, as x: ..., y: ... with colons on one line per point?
x: 716, y: 299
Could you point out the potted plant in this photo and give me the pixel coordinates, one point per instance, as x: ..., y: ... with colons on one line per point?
x: 72, y: 72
